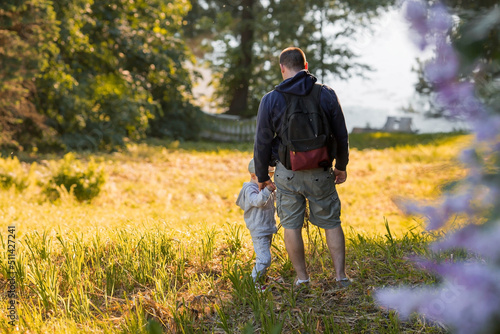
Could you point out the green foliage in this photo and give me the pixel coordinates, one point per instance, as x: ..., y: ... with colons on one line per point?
x: 86, y: 75
x: 250, y: 35
x: 71, y: 176
x: 179, y: 120
x: 27, y: 31
x: 119, y: 71
x: 478, y: 42
x: 13, y: 174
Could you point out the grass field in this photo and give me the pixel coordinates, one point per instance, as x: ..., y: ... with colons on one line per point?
x: 164, y: 247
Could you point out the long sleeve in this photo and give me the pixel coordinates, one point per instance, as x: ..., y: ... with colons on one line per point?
x: 256, y: 198
x: 263, y: 141
x: 332, y: 107
x: 258, y: 207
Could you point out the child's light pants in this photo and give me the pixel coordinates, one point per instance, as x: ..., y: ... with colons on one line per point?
x: 262, y: 248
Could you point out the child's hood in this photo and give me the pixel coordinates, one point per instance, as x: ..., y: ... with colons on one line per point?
x: 241, y: 201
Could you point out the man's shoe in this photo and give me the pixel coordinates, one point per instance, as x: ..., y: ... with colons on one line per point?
x: 344, y: 282
x: 301, y: 285
x: 301, y: 282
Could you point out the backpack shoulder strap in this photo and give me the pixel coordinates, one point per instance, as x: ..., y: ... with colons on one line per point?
x: 284, y: 117
x: 316, y: 91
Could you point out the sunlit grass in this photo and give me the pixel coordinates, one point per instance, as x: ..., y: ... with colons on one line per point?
x: 164, y: 241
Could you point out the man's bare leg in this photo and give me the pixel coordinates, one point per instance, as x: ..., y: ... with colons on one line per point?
x: 336, y: 244
x: 295, y: 248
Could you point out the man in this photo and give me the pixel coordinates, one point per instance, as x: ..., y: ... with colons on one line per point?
x: 317, y: 185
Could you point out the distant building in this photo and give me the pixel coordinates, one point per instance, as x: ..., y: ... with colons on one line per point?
x: 392, y: 124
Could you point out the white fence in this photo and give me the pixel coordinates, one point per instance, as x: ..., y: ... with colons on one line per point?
x: 220, y: 127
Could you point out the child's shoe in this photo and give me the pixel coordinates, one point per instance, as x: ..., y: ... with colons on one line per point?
x: 260, y: 287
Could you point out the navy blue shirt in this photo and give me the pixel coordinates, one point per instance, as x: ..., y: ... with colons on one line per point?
x: 271, y: 110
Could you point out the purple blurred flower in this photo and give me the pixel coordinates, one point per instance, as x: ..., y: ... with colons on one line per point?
x: 469, y: 157
x: 479, y: 239
x: 487, y: 128
x: 458, y: 203
x: 439, y: 20
x: 468, y: 298
x: 459, y: 99
x: 491, y: 197
x: 444, y: 67
x: 404, y: 300
x: 434, y: 214
x: 416, y: 13
x: 439, y: 215
x: 426, y: 21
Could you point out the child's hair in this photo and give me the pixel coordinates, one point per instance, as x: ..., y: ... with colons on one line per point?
x: 251, y: 167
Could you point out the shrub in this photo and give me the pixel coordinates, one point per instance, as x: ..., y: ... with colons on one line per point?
x: 84, y: 183
x: 12, y: 174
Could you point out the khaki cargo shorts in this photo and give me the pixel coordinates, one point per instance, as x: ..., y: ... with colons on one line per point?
x: 316, y: 185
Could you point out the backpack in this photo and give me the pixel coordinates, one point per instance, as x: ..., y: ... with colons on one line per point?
x: 307, y: 141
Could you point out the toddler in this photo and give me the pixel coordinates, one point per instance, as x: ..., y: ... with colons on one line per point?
x: 258, y: 207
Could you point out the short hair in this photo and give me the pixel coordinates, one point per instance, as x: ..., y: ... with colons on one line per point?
x: 293, y: 58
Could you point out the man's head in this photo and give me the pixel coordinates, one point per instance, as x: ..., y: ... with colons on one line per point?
x: 292, y: 60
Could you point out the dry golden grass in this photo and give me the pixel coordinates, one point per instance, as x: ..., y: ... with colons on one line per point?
x: 184, y: 195
x: 186, y: 189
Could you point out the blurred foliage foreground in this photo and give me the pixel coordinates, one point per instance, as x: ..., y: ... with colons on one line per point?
x: 156, y: 242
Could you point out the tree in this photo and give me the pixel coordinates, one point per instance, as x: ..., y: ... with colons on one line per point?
x: 27, y: 31
x: 119, y: 72
x: 249, y: 35
x: 232, y: 25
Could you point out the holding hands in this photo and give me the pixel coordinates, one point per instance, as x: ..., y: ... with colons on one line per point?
x: 267, y: 184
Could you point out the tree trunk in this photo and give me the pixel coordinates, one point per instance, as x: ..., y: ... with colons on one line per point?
x: 239, y: 101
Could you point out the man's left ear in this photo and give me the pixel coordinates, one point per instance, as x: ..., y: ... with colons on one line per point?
x: 305, y: 68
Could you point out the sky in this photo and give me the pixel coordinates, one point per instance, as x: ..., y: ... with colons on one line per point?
x: 390, y: 51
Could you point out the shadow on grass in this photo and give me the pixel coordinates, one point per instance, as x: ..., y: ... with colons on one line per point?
x: 360, y: 141
x: 201, y: 145
x: 383, y: 140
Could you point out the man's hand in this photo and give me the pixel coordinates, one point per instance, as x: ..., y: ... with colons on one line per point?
x: 262, y: 185
x: 340, y: 176
x: 271, y: 187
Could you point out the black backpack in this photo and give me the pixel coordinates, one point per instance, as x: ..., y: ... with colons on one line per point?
x: 307, y: 141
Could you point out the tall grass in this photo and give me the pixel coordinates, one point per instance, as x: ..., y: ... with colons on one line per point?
x: 164, y: 247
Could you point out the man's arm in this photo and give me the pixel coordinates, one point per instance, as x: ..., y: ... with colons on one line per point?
x: 331, y: 105
x: 262, y: 150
